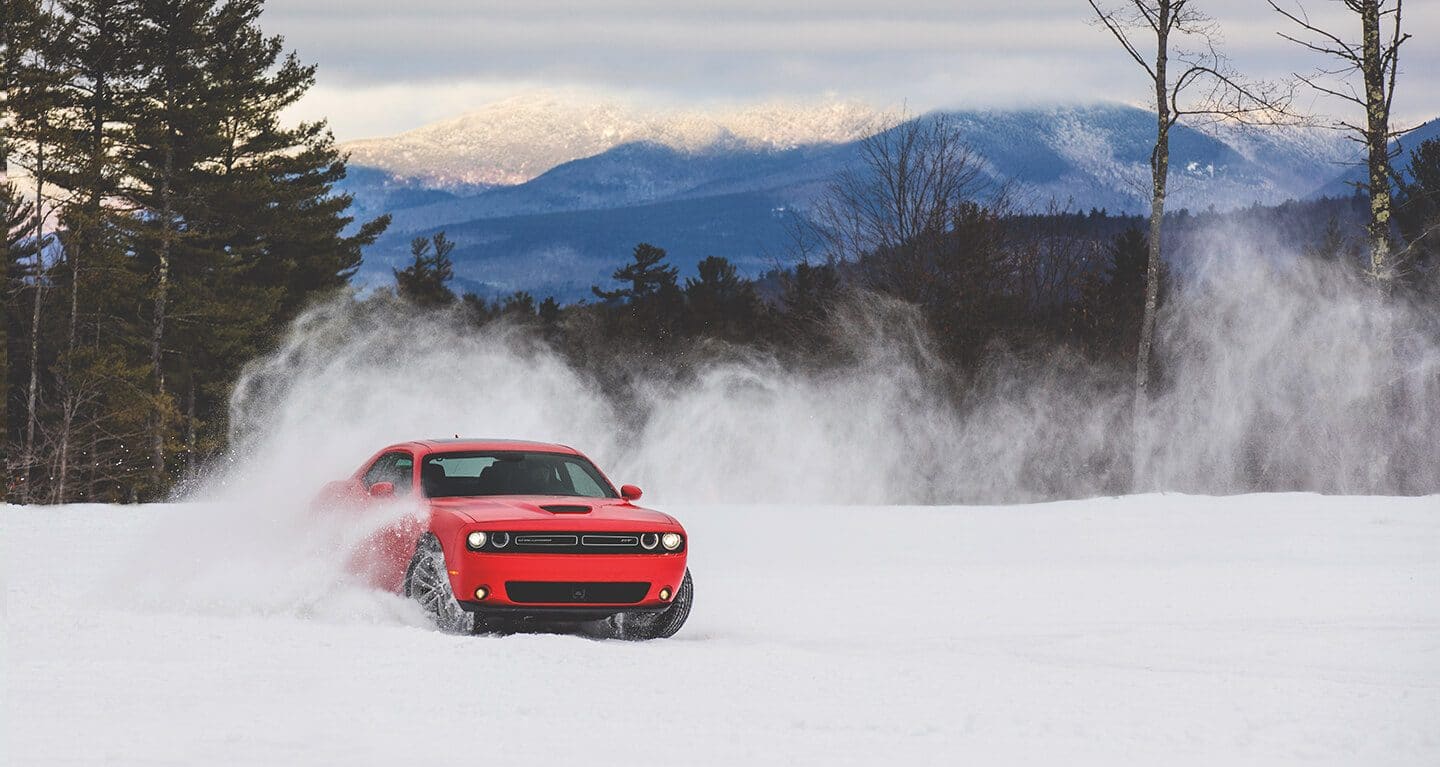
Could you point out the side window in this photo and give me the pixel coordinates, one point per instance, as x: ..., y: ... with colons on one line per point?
x: 378, y: 470
x: 582, y: 483
x: 396, y: 468
x: 402, y: 473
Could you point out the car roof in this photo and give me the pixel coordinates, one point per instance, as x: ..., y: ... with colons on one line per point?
x: 482, y: 443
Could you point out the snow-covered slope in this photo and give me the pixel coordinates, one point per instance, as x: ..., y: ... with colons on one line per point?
x: 708, y: 185
x: 1279, y: 629
x: 516, y: 139
x: 570, y: 153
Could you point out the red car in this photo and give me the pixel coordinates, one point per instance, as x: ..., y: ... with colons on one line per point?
x: 519, y: 533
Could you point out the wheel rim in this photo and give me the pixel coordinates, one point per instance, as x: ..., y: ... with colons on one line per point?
x: 431, y: 588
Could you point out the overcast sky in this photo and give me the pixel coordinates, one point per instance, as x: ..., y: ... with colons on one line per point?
x: 390, y: 65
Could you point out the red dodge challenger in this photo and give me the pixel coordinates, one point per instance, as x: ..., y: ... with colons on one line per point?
x: 521, y: 532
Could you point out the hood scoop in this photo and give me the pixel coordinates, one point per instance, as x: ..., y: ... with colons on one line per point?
x: 566, y: 508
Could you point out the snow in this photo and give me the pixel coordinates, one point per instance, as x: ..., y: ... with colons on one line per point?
x: 513, y: 140
x: 1263, y: 629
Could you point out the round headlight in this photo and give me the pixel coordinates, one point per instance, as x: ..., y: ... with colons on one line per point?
x: 500, y: 540
x: 475, y: 540
x: 671, y: 541
x: 649, y: 541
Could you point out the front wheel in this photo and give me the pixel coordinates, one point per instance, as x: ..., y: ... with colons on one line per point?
x: 427, y: 581
x: 662, y: 625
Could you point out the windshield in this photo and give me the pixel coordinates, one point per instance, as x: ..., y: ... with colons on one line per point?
x: 448, y: 475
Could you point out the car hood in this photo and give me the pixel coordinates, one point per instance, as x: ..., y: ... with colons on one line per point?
x: 529, y: 509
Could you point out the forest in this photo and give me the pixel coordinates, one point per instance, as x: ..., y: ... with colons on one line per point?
x: 174, y: 226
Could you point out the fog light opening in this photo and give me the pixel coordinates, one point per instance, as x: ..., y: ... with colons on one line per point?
x: 665, y: 594
x: 481, y: 593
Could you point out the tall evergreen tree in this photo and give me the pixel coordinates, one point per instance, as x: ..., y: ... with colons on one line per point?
x: 279, y: 181
x: 34, y: 37
x: 1112, y: 301
x: 174, y: 134
x: 93, y: 274
x: 17, y: 218
x: 1417, y: 215
x: 720, y: 303
x: 649, y: 300
x: 426, y: 281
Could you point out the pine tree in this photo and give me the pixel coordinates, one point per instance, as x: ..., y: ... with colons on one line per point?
x: 647, y: 276
x: 93, y: 273
x: 549, y: 314
x: 426, y: 282
x: 719, y: 303
x: 809, y: 292
x: 647, y: 308
x: 174, y: 133
x: 33, y: 37
x: 18, y: 220
x: 1418, y: 213
x: 1112, y: 301
x: 518, y: 306
x: 286, y: 223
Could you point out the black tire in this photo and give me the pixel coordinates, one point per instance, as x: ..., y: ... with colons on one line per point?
x: 661, y: 625
x: 427, y: 581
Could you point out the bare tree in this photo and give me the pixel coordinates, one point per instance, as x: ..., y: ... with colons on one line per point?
x: 917, y: 218
x: 1190, y: 78
x: 1377, y: 58
x: 912, y: 177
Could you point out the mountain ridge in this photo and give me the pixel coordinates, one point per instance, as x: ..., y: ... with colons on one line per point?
x: 514, y: 140
x: 717, y: 184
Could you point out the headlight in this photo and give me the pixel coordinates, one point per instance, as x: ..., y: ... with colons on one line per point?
x: 649, y: 541
x: 475, y: 540
x: 671, y: 541
x: 500, y: 540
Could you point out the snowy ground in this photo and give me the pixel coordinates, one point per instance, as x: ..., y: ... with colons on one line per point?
x: 1147, y: 630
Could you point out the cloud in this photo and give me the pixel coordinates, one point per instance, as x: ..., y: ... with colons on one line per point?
x: 386, y: 66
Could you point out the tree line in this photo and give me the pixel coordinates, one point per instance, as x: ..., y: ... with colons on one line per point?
x: 980, y: 277
x: 162, y: 225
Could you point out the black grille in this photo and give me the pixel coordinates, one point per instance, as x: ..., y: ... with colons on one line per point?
x: 621, y: 540
x: 536, y: 542
x: 548, y: 592
x: 544, y: 540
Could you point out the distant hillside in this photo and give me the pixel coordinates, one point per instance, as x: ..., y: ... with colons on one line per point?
x: 718, y: 183
x: 1343, y: 183
x: 563, y: 254
x: 514, y: 140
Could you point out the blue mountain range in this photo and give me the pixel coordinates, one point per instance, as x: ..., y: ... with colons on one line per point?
x: 568, y: 227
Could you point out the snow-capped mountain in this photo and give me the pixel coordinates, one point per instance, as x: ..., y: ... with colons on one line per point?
x: 548, y: 192
x: 546, y: 154
x: 514, y: 140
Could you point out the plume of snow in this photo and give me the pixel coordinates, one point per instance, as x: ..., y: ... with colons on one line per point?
x: 1279, y: 374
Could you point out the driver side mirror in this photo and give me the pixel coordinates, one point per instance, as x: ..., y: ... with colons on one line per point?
x: 630, y: 492
x: 382, y: 490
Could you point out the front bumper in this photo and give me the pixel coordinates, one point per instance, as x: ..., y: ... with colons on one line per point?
x: 511, y: 582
